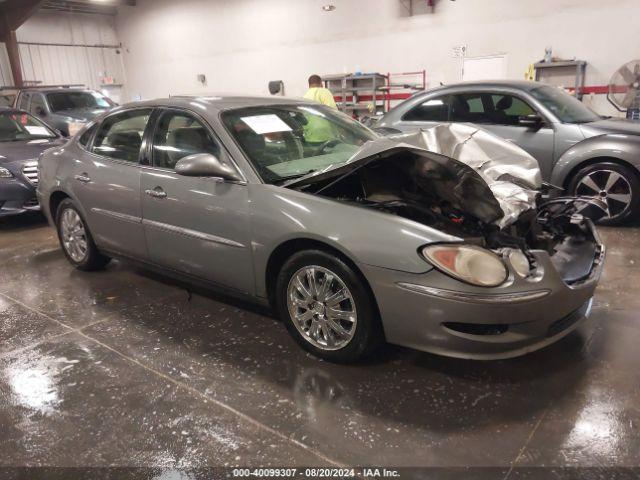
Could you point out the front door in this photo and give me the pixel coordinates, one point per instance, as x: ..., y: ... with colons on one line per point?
x: 500, y: 114
x: 106, y: 181
x: 195, y: 225
x: 538, y: 141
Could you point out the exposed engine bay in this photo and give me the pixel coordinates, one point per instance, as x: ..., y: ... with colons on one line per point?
x: 449, y: 195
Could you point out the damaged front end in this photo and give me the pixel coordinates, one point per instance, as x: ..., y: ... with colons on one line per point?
x: 470, y: 184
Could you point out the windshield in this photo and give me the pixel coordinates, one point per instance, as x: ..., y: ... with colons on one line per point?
x: 568, y: 109
x: 18, y: 126
x: 288, y: 141
x: 61, y: 101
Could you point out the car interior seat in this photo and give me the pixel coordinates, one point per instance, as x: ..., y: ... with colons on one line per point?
x: 499, y: 115
x: 126, y: 145
x: 187, y: 141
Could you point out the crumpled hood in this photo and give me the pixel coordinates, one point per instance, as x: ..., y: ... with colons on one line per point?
x: 18, y: 152
x: 497, y: 180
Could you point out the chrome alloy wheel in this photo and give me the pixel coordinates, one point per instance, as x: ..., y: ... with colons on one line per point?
x: 610, y: 187
x: 74, y: 237
x: 322, y: 308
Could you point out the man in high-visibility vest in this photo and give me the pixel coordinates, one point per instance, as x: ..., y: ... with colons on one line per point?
x: 319, y: 130
x: 317, y: 93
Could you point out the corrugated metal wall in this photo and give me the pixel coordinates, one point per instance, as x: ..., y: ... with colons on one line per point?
x: 57, y: 64
x: 5, y: 69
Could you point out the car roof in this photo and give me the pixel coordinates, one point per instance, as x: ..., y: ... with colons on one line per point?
x: 56, y: 90
x: 216, y: 102
x: 517, y: 84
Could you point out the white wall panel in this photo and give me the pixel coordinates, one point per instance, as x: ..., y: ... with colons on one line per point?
x: 241, y: 44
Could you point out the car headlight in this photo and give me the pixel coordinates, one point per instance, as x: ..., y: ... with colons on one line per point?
x: 519, y: 262
x: 75, y: 127
x: 468, y: 263
x: 4, y: 173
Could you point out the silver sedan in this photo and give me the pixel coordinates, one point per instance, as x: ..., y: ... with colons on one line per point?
x: 439, y: 241
x: 578, y: 150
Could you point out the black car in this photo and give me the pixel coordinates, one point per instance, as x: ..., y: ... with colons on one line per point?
x: 22, y: 139
x: 64, y: 108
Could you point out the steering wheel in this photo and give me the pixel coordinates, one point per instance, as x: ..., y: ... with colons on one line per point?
x: 328, y: 144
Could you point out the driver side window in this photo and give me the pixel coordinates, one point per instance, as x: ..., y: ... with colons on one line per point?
x: 178, y: 135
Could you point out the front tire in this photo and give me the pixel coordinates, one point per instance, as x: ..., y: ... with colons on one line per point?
x: 76, y: 240
x: 327, y: 308
x: 615, y: 184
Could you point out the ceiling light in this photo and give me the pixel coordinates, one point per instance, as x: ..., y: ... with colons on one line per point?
x: 328, y: 8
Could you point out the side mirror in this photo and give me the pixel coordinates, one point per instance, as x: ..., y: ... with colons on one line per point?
x: 40, y: 112
x: 531, y: 121
x: 205, y: 165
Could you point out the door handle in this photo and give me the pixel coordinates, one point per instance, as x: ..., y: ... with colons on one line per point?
x: 157, y: 192
x: 84, y: 178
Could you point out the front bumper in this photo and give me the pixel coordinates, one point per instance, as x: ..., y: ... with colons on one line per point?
x: 17, y: 197
x: 436, y: 313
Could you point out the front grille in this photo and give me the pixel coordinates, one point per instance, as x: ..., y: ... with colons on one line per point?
x: 477, y: 328
x: 30, y: 171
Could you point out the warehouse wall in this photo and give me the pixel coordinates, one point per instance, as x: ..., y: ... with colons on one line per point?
x: 5, y: 69
x: 68, y: 48
x: 240, y: 44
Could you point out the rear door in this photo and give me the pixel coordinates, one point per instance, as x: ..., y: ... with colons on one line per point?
x: 195, y: 225
x: 106, y: 181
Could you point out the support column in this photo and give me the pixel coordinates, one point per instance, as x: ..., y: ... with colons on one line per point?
x: 11, y: 43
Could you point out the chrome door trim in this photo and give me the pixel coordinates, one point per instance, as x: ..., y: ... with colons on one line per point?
x: 191, y: 233
x: 117, y: 215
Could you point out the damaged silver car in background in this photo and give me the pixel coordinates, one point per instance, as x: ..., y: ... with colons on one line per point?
x: 444, y: 240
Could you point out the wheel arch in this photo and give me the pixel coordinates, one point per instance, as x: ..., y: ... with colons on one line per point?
x: 289, y: 247
x: 598, y: 159
x: 55, y: 199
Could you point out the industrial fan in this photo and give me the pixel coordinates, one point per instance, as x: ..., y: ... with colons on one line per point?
x: 624, y: 89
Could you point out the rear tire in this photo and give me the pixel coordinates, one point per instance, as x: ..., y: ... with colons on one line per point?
x: 613, y: 183
x: 341, y: 331
x: 76, y: 240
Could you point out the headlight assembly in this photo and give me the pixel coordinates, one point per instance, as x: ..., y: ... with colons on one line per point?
x: 468, y: 263
x: 519, y: 262
x: 4, y: 173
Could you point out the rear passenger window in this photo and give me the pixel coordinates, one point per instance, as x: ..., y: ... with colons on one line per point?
x: 178, y: 135
x: 120, y: 135
x: 433, y: 110
x: 86, y: 136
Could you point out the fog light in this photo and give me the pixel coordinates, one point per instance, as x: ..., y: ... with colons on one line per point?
x: 519, y: 262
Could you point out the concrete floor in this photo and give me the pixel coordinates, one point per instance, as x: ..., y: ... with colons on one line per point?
x: 122, y: 368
